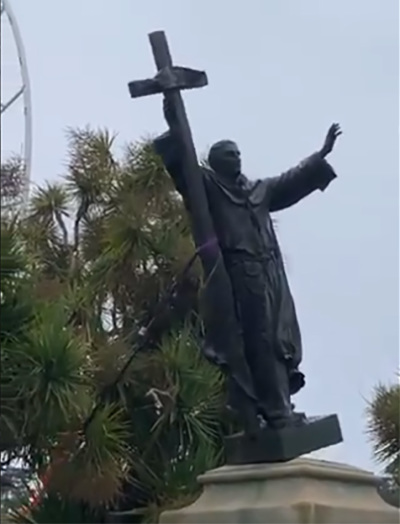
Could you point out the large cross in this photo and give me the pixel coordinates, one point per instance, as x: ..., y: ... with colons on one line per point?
x: 169, y: 81
x: 220, y: 319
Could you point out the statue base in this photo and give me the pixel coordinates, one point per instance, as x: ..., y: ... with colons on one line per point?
x: 281, y: 445
x: 302, y: 491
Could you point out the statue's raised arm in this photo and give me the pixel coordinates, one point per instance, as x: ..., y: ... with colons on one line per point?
x: 168, y: 147
x: 311, y: 174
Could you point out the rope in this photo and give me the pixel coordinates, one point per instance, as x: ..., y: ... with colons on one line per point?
x: 145, y: 337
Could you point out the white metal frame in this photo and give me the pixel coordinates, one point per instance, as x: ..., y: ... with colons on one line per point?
x: 23, y: 91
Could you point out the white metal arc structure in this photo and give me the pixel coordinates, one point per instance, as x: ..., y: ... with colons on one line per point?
x: 24, y: 92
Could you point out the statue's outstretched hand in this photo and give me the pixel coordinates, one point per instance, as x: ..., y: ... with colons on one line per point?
x: 331, y: 137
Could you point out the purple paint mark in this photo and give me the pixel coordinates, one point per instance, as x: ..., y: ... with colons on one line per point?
x: 211, y: 246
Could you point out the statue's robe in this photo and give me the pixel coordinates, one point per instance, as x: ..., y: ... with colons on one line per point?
x: 240, y: 210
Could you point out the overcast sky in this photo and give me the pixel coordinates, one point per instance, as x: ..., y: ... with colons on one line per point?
x: 279, y: 73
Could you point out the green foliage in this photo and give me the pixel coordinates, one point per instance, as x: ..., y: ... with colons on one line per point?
x: 84, y: 274
x: 12, y: 181
x: 15, y: 301
x: 16, y: 315
x: 55, y: 509
x: 384, y: 427
x: 49, y: 374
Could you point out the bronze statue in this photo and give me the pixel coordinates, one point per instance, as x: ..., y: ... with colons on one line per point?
x: 251, y: 323
x: 240, y: 210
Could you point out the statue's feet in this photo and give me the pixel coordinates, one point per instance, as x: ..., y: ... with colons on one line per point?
x: 294, y: 419
x: 247, y: 418
x: 285, y: 443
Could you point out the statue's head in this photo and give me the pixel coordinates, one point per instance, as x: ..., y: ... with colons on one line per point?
x: 224, y: 158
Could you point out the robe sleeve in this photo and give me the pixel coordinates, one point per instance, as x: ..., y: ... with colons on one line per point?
x: 168, y: 148
x: 289, y: 188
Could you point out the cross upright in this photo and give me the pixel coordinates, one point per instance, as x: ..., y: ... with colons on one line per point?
x: 222, y: 332
x: 169, y: 81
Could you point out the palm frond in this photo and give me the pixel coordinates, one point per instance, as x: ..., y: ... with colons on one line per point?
x: 48, y: 373
x: 92, y: 469
x: 12, y: 180
x: 49, y: 200
x: 384, y: 427
x: 91, y: 165
x: 12, y: 261
x: 178, y: 486
x: 148, y: 172
x: 49, y: 206
x: 53, y: 508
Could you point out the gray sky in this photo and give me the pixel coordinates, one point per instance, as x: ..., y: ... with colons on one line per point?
x: 279, y: 73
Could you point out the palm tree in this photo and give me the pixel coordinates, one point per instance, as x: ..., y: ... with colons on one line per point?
x: 11, y: 182
x: 104, y: 246
x: 383, y: 414
x: 47, y: 380
x: 384, y: 427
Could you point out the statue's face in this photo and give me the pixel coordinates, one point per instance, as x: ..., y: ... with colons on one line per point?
x: 225, y: 158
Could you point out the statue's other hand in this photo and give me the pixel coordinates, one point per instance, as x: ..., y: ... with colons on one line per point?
x: 331, y: 137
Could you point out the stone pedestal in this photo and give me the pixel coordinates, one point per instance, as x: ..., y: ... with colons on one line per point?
x: 301, y: 491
